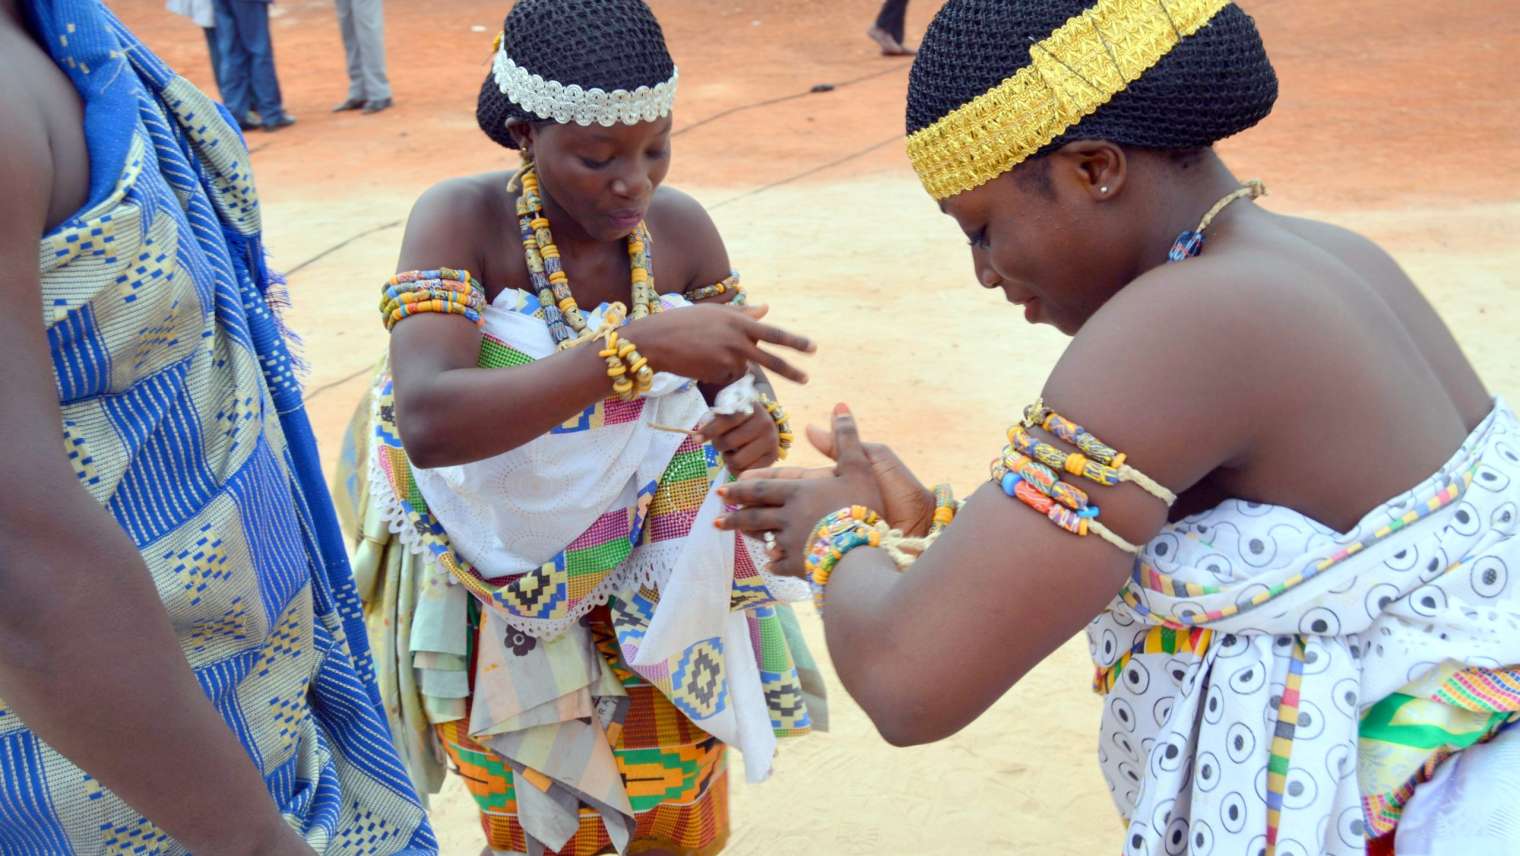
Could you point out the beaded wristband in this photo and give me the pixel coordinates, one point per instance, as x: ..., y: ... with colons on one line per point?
x: 629, y: 371
x: 945, y: 509
x: 783, y: 424
x: 445, y: 290
x: 718, y: 289
x: 835, y: 535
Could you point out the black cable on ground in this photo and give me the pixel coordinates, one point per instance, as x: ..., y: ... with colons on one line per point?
x: 337, y: 383
x: 755, y: 105
x: 341, y: 244
x: 807, y: 172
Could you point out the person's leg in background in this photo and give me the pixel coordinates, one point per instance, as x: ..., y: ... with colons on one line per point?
x: 216, y: 58
x: 233, y: 61
x: 355, y: 98
x: 369, y: 28
x: 253, y: 30
x: 889, y: 29
x: 362, y: 23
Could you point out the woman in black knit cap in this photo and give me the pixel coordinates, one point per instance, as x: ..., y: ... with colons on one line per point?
x: 1286, y: 656
x: 533, y: 488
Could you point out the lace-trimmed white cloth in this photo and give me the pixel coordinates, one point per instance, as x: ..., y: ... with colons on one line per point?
x: 548, y: 99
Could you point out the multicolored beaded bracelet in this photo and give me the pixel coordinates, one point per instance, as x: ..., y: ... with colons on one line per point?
x: 783, y: 424
x: 445, y: 290
x: 833, y: 537
x: 718, y: 289
x: 858, y: 526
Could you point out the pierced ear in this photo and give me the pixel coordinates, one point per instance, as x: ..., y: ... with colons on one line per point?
x: 522, y: 132
x: 1099, y: 167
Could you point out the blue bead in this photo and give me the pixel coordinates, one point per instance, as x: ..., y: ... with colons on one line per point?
x: 1188, y: 245
x: 1091, y: 512
x: 1010, y: 482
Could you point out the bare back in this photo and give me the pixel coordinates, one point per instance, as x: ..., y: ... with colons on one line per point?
x: 1344, y: 385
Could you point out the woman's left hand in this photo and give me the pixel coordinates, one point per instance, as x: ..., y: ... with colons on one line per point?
x: 791, y: 507
x: 746, y: 442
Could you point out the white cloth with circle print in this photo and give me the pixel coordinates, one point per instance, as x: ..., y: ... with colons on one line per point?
x: 1185, y: 740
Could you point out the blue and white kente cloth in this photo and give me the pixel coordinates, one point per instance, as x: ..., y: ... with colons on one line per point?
x: 183, y: 417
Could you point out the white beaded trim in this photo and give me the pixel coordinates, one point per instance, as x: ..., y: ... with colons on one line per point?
x: 547, y: 99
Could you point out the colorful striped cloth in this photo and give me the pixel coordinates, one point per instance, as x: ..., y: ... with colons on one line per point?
x: 182, y: 415
x: 1273, y: 686
x: 601, y: 510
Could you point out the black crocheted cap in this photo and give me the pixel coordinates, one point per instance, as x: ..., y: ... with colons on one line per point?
x: 1213, y: 84
x: 602, y: 44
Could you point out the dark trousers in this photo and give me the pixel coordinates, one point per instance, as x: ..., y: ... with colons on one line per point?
x: 891, y: 17
x: 215, y: 50
x: 248, y: 79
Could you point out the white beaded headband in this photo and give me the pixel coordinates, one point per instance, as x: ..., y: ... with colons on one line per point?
x: 557, y: 102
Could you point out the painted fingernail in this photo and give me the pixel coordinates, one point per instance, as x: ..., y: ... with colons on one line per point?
x: 718, y: 523
x: 723, y: 492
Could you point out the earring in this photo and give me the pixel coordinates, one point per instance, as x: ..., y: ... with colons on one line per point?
x: 1103, y: 189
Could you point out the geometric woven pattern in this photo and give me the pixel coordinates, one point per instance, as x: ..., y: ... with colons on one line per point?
x: 675, y: 775
x: 183, y: 418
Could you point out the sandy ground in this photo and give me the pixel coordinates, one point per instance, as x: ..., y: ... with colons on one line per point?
x: 1395, y: 119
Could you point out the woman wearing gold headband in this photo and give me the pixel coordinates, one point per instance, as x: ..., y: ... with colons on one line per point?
x: 1291, y: 662
x: 554, y: 611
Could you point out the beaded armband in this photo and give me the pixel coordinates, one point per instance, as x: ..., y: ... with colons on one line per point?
x: 628, y: 370
x: 445, y: 290
x: 1027, y: 471
x: 718, y: 289
x: 783, y: 424
x: 835, y: 535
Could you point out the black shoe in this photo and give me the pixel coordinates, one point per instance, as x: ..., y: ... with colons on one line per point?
x: 350, y: 104
x: 247, y: 126
x: 378, y: 104
x: 285, y: 121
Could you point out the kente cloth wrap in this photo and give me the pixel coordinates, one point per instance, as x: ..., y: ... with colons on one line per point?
x: 675, y: 773
x: 1272, y: 685
x: 601, y: 510
x: 183, y: 417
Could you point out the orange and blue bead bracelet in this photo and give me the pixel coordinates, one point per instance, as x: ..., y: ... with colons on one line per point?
x: 833, y: 537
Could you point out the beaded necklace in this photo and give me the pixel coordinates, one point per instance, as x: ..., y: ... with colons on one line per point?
x: 1190, y: 243
x: 566, y: 323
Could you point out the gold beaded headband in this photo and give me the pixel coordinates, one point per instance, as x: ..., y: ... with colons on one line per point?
x: 1071, y: 73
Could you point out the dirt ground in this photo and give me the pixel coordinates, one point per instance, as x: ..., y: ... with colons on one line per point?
x: 1399, y: 120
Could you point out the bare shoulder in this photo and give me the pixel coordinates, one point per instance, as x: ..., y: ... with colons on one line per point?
x: 677, y: 208
x: 1181, y: 369
x: 1201, y: 328
x: 451, y: 224
x: 686, y: 234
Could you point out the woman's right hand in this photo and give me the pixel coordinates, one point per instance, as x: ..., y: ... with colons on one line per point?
x: 907, y: 505
x: 715, y: 344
